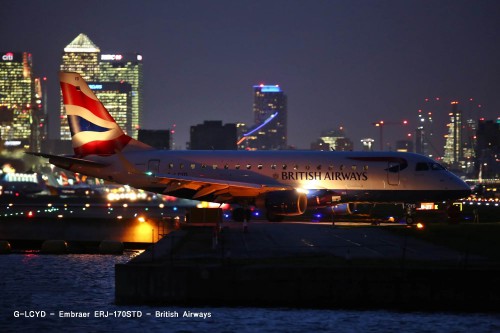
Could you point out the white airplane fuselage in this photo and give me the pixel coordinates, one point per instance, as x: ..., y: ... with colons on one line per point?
x: 348, y: 176
x: 284, y: 183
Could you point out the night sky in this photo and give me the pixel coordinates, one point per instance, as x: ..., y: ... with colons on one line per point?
x: 341, y: 63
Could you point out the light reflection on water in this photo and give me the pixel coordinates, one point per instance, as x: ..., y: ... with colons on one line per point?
x: 85, y: 283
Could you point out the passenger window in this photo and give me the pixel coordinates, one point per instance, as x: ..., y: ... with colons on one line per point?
x: 284, y: 166
x: 365, y: 167
x: 226, y: 166
x: 308, y: 167
x: 318, y: 167
x: 273, y: 166
x: 341, y: 167
x: 249, y: 166
x: 330, y: 167
x: 193, y: 166
x: 181, y: 166
x: 214, y: 166
x: 237, y: 166
x: 295, y: 167
x: 259, y: 166
x: 170, y: 165
x: 203, y: 166
x: 353, y: 168
x: 422, y: 166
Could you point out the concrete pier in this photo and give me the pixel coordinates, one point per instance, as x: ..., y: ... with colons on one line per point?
x: 306, y: 265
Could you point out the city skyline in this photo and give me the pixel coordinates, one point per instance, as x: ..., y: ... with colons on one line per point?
x: 341, y: 63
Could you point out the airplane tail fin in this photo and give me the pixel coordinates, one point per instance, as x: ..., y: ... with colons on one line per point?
x: 93, y: 129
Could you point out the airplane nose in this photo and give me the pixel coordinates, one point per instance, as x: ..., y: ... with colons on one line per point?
x: 464, y: 190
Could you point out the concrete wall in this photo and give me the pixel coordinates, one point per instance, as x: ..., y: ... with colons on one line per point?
x: 82, y: 229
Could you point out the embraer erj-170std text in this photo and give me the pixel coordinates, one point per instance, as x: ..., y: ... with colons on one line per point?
x: 283, y: 183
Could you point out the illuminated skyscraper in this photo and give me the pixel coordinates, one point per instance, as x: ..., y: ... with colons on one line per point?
x: 453, y: 147
x: 424, y: 135
x: 270, y: 117
x: 337, y: 140
x: 126, y: 68
x: 22, y: 119
x: 84, y: 57
x: 81, y: 56
x: 117, y: 99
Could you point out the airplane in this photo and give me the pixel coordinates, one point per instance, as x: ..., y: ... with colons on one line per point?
x: 281, y: 183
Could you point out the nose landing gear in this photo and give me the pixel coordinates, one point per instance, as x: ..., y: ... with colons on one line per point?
x: 410, y: 213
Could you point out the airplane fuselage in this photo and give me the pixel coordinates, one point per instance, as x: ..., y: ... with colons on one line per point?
x: 348, y: 176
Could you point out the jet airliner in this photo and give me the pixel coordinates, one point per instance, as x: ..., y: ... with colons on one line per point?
x: 282, y: 183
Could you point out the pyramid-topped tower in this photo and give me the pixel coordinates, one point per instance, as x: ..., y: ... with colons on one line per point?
x: 82, y: 43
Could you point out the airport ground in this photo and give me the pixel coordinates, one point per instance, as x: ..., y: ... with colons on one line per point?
x: 346, y: 262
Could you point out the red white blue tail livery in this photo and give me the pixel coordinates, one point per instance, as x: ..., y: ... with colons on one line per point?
x: 93, y: 130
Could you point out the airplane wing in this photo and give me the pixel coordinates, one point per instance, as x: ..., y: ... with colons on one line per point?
x: 222, y: 190
x: 66, y: 161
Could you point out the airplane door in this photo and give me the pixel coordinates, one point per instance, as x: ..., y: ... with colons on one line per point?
x: 393, y: 173
x: 154, y: 166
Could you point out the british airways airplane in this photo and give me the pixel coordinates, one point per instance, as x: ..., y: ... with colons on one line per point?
x: 283, y: 183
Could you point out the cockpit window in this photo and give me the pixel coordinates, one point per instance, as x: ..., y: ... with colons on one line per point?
x: 422, y: 166
x: 437, y: 166
x: 425, y: 166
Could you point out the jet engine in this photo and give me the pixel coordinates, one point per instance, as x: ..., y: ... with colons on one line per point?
x: 283, y: 203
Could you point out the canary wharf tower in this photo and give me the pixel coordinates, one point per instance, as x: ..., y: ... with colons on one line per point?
x: 81, y: 56
x: 120, y: 72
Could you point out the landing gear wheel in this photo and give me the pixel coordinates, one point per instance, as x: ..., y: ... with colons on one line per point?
x: 410, y: 220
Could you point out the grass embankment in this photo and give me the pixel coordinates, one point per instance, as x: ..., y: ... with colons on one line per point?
x: 474, y: 239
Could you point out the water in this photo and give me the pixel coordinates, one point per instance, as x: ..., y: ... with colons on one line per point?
x: 38, y: 285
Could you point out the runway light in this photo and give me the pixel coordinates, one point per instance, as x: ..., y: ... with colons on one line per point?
x: 420, y: 226
x: 141, y: 219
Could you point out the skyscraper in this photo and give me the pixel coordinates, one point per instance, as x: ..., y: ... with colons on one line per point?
x: 81, y: 56
x: 424, y: 135
x: 453, y: 147
x: 125, y: 67
x: 270, y: 118
x: 117, y: 97
x: 22, y: 118
x: 84, y: 57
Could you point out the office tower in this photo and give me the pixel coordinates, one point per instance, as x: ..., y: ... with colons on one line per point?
x: 424, y: 135
x: 81, y: 56
x: 337, y: 140
x: 22, y: 117
x: 212, y: 135
x: 117, y: 98
x: 126, y: 67
x: 84, y: 57
x: 453, y: 153
x: 488, y: 149
x: 270, y: 118
x: 159, y: 139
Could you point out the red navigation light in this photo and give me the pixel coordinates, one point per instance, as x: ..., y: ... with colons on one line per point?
x: 405, y: 122
x: 30, y: 214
